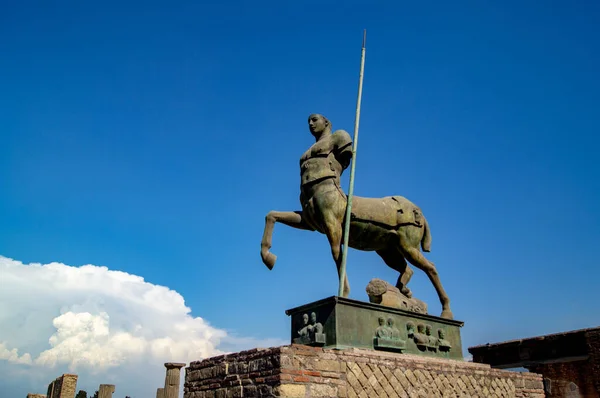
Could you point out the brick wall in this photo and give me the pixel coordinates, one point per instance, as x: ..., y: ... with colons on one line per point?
x: 559, y: 379
x: 576, y: 378
x: 593, y: 342
x: 253, y: 372
x: 301, y: 371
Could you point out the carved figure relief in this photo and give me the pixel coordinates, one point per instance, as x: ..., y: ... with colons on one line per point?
x: 421, y: 338
x: 311, y: 332
x: 431, y: 340
x: 443, y: 344
x: 410, y: 329
x: 393, y: 330
x: 382, y: 331
x: 425, y: 341
x: 303, y: 332
x: 387, y: 336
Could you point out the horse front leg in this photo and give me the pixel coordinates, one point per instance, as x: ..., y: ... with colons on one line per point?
x: 333, y: 230
x: 290, y: 218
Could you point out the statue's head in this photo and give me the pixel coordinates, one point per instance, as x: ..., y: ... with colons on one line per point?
x: 428, y: 330
x: 305, y: 318
x: 420, y: 328
x: 381, y: 321
x: 390, y: 322
x: 410, y: 326
x: 313, y: 317
x: 441, y: 334
x: 318, y: 124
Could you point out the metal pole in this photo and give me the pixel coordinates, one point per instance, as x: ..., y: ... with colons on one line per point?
x: 351, y: 187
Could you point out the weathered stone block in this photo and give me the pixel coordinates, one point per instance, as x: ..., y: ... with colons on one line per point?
x: 221, y: 393
x: 327, y: 365
x: 292, y: 390
x: 235, y: 392
x: 322, y: 390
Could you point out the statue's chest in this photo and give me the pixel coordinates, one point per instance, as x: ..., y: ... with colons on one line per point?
x: 318, y: 149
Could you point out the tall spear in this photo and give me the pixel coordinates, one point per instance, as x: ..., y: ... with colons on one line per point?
x: 351, y: 187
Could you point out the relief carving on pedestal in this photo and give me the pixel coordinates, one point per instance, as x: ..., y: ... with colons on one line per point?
x: 425, y: 341
x: 311, y: 332
x: 387, y: 336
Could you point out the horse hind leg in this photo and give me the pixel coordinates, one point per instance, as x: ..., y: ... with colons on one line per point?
x: 394, y: 259
x: 416, y: 258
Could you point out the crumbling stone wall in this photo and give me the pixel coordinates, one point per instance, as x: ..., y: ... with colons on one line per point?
x: 63, y: 387
x: 574, y: 378
x: 35, y: 395
x: 566, y: 379
x: 592, y: 338
x: 301, y: 371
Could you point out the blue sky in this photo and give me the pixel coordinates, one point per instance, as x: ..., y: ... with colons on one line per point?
x: 153, y: 138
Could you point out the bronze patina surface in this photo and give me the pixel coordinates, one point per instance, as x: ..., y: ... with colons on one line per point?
x: 393, y: 227
x: 340, y: 323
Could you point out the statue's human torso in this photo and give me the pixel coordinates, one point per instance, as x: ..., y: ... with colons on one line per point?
x: 322, y: 159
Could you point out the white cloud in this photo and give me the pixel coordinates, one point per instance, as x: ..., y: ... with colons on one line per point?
x: 13, y: 355
x: 94, y: 321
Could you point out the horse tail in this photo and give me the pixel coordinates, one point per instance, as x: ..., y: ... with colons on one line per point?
x: 426, y: 240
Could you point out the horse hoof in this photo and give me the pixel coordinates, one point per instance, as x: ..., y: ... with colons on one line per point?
x: 447, y: 314
x: 406, y: 291
x: 269, y: 260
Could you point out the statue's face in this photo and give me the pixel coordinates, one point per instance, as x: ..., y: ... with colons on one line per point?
x: 313, y: 317
x: 441, y: 334
x: 316, y: 124
x: 381, y: 321
x: 305, y: 318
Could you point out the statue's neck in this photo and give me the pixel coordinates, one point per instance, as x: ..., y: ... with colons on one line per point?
x: 323, y: 135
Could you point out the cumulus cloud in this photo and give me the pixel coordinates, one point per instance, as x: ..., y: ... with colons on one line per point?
x: 13, y: 355
x: 92, y: 320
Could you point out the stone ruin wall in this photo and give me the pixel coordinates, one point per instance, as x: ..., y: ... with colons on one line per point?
x: 574, y: 378
x: 301, y: 371
x: 63, y: 387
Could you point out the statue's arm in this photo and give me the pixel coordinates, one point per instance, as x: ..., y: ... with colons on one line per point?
x: 342, y: 147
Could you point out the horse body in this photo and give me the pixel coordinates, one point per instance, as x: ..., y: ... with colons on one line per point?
x: 392, y: 226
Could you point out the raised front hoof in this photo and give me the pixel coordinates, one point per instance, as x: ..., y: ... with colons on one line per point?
x: 447, y: 314
x: 269, y: 259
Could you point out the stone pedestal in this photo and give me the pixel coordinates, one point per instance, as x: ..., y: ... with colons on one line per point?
x: 172, y: 379
x: 340, y: 323
x: 106, y: 390
x: 303, y: 371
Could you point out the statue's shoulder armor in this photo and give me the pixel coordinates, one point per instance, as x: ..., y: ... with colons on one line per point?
x: 341, y: 139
